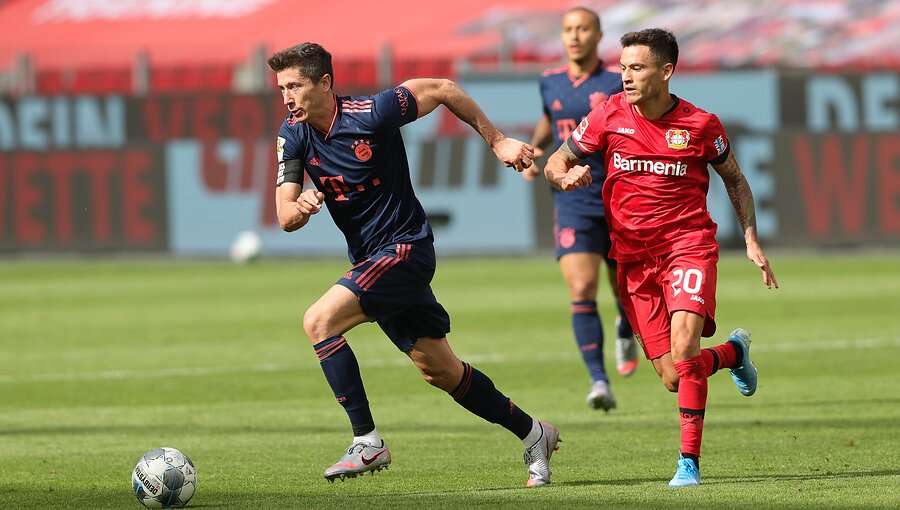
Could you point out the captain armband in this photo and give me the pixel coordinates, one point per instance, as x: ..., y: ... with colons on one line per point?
x: 289, y: 171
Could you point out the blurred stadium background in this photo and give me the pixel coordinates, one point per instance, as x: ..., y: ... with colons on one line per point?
x: 147, y: 126
x: 137, y: 142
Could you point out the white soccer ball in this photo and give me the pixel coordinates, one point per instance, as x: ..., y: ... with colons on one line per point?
x: 246, y: 247
x: 164, y: 478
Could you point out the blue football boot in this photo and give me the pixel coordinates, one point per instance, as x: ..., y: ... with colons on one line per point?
x: 744, y: 376
x: 687, y: 474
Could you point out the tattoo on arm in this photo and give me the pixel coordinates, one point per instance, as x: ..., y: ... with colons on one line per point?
x: 559, y: 164
x: 738, y: 191
x: 568, y: 155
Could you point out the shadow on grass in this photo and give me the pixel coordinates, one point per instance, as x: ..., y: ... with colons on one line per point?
x: 722, y: 480
x: 828, y: 475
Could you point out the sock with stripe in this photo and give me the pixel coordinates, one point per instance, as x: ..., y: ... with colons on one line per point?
x: 477, y: 394
x: 589, y: 336
x: 692, y: 389
x: 624, y: 327
x: 720, y: 356
x: 342, y: 372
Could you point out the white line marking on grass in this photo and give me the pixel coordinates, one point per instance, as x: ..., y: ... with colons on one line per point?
x: 831, y: 345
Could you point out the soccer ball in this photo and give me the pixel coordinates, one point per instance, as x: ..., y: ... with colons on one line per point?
x: 246, y: 247
x: 164, y: 478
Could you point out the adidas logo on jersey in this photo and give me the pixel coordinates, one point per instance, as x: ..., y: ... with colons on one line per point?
x: 556, y: 106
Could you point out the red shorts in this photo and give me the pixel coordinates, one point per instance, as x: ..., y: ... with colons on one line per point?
x: 653, y: 289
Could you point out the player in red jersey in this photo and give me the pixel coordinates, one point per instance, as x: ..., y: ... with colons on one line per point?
x: 656, y: 147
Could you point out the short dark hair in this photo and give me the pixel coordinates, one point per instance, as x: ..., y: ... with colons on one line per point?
x: 595, y: 18
x: 661, y: 42
x: 311, y: 59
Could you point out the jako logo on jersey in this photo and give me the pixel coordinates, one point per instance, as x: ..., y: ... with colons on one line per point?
x: 556, y: 106
x: 677, y: 138
x: 677, y: 168
x: 597, y: 98
x: 579, y: 131
x: 625, y: 131
x: 362, y: 149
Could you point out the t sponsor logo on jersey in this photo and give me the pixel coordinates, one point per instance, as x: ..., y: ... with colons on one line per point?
x: 579, y: 131
x: 677, y: 138
x: 676, y: 168
x: 597, y: 98
x: 556, y: 106
x: 625, y: 131
x: 362, y: 149
x: 720, y: 145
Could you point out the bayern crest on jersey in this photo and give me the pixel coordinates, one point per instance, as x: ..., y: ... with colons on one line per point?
x: 678, y: 138
x: 597, y: 98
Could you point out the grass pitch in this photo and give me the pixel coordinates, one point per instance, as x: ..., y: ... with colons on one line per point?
x: 101, y: 361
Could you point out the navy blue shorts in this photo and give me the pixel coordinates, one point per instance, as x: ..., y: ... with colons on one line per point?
x: 394, y: 288
x: 577, y: 233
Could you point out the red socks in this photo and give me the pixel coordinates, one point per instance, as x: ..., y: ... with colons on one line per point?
x: 692, y: 389
x: 718, y: 357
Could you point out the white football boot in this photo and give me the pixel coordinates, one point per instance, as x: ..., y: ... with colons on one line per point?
x: 537, y: 456
x: 359, y: 459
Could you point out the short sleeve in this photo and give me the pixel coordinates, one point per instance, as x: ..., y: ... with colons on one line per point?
x: 716, y: 146
x: 588, y: 136
x: 394, y: 108
x: 290, y: 164
x: 543, y: 91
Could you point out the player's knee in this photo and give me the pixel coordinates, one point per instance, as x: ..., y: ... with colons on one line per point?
x: 437, y: 377
x: 670, y: 381
x: 314, y: 324
x: 582, y: 290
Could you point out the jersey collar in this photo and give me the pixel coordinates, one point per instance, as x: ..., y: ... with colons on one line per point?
x: 673, y: 107
x: 334, y: 98
x: 578, y: 81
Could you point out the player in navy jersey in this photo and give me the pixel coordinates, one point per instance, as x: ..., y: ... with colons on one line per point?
x: 352, y: 151
x: 582, y: 236
x: 657, y: 149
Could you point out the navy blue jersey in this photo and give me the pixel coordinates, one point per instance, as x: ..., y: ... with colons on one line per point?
x: 566, y: 101
x: 360, y: 165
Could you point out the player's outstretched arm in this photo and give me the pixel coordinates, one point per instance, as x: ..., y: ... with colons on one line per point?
x: 430, y: 93
x: 742, y: 200
x: 563, y: 171
x: 295, y: 206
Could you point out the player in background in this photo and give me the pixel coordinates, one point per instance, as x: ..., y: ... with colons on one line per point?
x: 353, y: 153
x: 582, y: 236
x: 657, y: 147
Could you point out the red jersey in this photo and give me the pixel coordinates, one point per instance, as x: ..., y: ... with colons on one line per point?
x: 657, y: 175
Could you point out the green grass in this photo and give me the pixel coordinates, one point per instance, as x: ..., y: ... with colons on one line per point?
x: 101, y: 361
